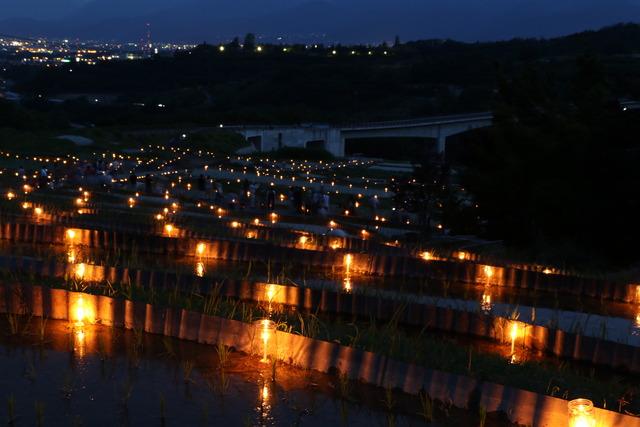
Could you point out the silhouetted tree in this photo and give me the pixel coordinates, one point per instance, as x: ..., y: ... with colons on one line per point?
x: 249, y: 42
x: 235, y: 44
x: 555, y: 175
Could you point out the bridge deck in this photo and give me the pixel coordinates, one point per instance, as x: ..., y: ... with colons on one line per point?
x: 425, y: 121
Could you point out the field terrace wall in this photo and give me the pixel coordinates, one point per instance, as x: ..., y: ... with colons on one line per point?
x: 562, y: 343
x: 218, y: 228
x: 521, y: 406
x: 366, y: 263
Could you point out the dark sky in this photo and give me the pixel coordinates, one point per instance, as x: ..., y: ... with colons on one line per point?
x: 322, y: 20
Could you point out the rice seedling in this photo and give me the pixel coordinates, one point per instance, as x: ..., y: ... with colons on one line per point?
x: 187, y: 370
x: 426, y: 403
x: 482, y: 414
x: 389, y: 400
x: 11, y: 410
x: 39, y: 408
x: 163, y: 410
x: 125, y: 391
x: 223, y: 353
x: 30, y: 372
x: 14, y: 323
x: 42, y: 328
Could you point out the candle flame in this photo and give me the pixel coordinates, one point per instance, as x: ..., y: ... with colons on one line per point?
x: 80, y: 270
x: 200, y: 248
x: 488, y: 271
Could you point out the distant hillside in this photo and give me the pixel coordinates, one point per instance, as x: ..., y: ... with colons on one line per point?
x: 309, y: 85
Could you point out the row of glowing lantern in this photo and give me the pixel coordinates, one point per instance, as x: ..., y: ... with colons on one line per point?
x: 465, y: 256
x: 201, y: 249
x: 37, y: 210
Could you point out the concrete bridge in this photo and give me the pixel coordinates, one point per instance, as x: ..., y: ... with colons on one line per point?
x: 332, y: 138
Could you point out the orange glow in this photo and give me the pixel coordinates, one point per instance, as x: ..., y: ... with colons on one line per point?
x: 347, y: 284
x: 267, y: 329
x: 303, y: 240
x: 80, y: 270
x: 132, y: 202
x: 332, y: 224
x: 638, y: 294
x: 581, y: 413
x: 200, y: 269
x: 271, y: 292
x: 251, y: 234
x: 514, y: 336
x: 546, y: 271
x: 514, y: 331
x: 201, y: 248
x: 256, y: 221
x: 79, y: 342
x: 159, y: 217
x: 168, y: 228
x: 462, y: 256
x: 71, y: 256
x: 426, y: 255
x: 348, y: 260
x: 38, y: 211
x: 235, y: 224
x: 488, y: 271
x: 11, y: 195
x: 486, y: 305
x: 335, y: 245
x: 71, y: 234
x: 81, y: 313
x: 274, y: 217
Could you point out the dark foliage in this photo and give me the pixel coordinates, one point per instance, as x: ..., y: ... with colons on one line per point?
x: 314, y: 85
x: 560, y: 167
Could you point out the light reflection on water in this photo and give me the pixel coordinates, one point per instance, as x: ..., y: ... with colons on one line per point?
x: 79, y: 343
x: 263, y: 411
x: 485, y: 305
x: 200, y: 269
x: 112, y: 379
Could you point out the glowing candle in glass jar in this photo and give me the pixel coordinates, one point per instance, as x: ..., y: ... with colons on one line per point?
x: 581, y: 413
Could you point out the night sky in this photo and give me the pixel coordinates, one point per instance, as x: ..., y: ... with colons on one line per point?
x: 295, y: 20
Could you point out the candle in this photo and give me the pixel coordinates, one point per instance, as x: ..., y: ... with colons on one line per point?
x: 581, y: 413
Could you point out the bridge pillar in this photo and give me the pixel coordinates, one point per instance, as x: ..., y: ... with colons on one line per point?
x: 335, y: 142
x: 442, y: 143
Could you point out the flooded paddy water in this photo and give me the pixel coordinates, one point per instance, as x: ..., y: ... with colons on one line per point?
x: 55, y: 375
